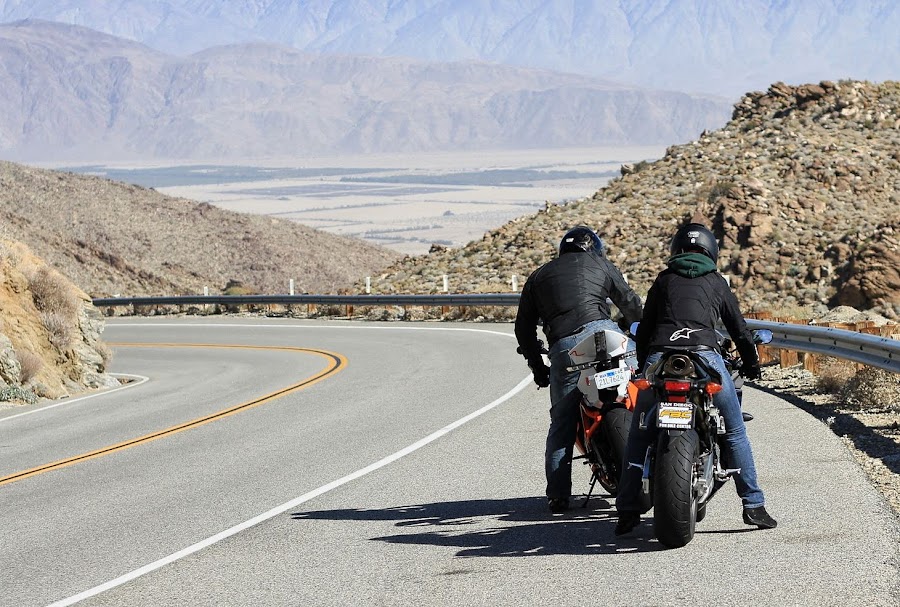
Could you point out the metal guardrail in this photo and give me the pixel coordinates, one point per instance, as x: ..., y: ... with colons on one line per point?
x: 870, y: 350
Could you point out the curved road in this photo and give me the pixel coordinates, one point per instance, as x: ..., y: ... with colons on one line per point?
x: 276, y: 462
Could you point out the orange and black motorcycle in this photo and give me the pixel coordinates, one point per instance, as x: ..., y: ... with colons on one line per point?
x: 607, y: 364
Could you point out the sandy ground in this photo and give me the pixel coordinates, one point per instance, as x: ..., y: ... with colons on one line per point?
x: 410, y: 216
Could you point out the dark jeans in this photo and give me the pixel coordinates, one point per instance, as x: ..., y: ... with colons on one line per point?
x: 736, y: 452
x: 564, y: 411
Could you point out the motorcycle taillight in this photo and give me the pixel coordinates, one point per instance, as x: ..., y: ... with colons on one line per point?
x: 672, y: 385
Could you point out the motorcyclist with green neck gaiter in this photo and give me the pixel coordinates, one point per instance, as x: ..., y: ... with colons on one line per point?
x: 683, y: 307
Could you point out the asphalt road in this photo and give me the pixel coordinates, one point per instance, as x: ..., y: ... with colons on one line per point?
x: 330, y: 463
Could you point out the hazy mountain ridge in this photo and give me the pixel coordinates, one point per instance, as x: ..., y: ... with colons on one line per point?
x: 691, y: 45
x: 802, y: 187
x: 74, y: 94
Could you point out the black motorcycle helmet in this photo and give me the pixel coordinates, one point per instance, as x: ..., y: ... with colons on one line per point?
x: 581, y: 239
x: 695, y: 237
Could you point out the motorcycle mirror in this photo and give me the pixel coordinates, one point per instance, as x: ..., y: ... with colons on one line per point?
x: 762, y: 336
x: 633, y: 328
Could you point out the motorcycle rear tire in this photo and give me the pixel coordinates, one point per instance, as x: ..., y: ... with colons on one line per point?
x: 674, y: 499
x: 614, y: 432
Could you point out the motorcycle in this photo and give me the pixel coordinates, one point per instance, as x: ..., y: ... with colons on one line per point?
x: 608, y: 396
x: 683, y: 469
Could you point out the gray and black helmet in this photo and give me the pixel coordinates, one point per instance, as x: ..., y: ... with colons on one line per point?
x: 695, y: 237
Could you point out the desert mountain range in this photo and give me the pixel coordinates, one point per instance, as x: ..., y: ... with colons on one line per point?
x: 724, y: 48
x: 73, y: 94
x: 802, y: 187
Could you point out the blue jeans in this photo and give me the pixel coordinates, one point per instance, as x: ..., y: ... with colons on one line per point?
x: 564, y: 411
x: 736, y: 452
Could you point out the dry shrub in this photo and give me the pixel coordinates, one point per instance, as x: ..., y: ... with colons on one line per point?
x: 328, y: 311
x: 60, y: 329
x: 833, y: 374
x: 482, y: 313
x: 381, y: 313
x: 236, y: 287
x: 52, y: 293
x: 31, y: 365
x: 873, y: 388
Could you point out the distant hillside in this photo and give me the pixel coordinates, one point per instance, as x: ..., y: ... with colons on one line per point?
x: 73, y: 94
x: 802, y: 187
x: 111, y: 238
x: 689, y: 45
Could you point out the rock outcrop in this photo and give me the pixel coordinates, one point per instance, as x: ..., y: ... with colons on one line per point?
x: 50, y: 333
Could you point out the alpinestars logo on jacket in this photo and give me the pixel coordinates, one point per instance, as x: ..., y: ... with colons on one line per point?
x: 682, y: 334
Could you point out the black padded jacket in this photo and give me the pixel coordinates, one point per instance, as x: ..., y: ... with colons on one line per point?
x: 683, y: 311
x: 567, y: 293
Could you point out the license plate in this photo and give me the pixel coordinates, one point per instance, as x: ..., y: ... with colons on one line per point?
x: 672, y: 415
x: 611, y: 378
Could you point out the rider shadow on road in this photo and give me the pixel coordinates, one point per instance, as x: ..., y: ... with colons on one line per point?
x: 507, y: 527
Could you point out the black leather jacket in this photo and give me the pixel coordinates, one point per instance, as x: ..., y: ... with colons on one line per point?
x: 567, y: 293
x: 681, y: 311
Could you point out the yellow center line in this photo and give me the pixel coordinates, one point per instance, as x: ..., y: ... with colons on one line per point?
x: 337, y: 362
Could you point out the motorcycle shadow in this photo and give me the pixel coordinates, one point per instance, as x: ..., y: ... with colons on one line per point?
x: 508, y: 527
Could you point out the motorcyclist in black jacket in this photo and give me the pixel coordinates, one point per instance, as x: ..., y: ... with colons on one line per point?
x: 569, y: 295
x: 682, y: 309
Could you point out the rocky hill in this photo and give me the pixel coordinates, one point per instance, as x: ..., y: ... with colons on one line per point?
x: 116, y: 239
x: 802, y: 187
x: 49, y: 332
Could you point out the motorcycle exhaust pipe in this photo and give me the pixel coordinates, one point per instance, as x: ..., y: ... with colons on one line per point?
x: 679, y: 365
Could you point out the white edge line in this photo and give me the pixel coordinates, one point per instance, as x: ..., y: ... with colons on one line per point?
x: 69, y: 401
x: 287, y: 505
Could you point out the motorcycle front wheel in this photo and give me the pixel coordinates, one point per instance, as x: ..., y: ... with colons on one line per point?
x: 674, y: 499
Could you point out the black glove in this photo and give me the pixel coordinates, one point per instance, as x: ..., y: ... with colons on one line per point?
x: 540, y: 371
x: 751, y: 371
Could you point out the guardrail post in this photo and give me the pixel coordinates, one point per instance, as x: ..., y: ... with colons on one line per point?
x: 810, y: 362
x: 788, y: 358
